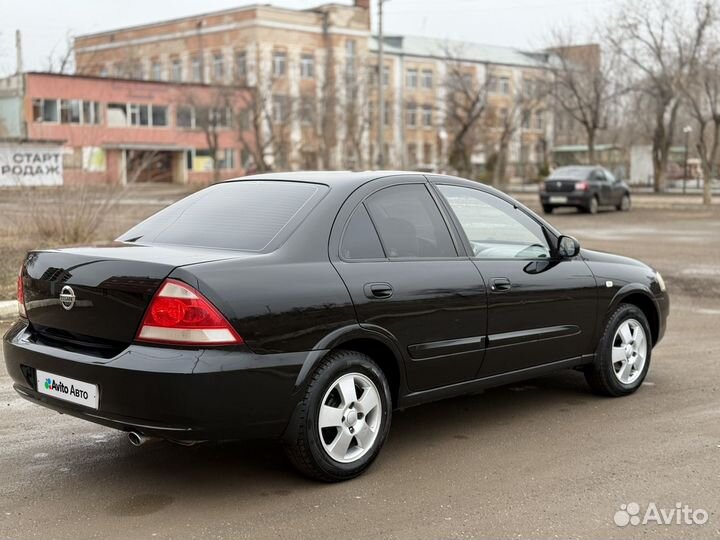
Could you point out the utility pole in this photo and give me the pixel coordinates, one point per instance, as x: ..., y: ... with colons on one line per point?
x: 381, y: 101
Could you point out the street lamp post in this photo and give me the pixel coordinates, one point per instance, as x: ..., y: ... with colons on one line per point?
x: 686, y: 130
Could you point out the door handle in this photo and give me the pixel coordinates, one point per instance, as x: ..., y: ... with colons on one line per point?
x: 500, y: 284
x: 378, y: 290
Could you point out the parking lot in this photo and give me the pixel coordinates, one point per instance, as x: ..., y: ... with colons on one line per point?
x: 544, y: 458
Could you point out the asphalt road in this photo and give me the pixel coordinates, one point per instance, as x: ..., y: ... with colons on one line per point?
x: 543, y: 458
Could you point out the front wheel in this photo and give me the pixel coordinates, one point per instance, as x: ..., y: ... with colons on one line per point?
x: 624, y: 204
x: 343, y: 420
x: 592, y: 206
x: 548, y: 209
x: 623, y: 355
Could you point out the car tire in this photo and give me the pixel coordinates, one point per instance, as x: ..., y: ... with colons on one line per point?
x: 547, y: 209
x: 318, y: 452
x: 592, y: 205
x: 622, y: 360
x: 625, y: 203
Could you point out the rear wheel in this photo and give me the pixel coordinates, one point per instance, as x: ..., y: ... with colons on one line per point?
x: 592, y: 206
x: 624, y: 204
x: 623, y: 355
x: 343, y: 420
x: 548, y: 209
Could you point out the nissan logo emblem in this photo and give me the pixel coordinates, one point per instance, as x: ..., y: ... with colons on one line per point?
x: 67, y: 298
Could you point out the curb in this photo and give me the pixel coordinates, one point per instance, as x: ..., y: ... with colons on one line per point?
x: 8, y: 310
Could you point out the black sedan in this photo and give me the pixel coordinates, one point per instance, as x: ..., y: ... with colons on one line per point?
x: 584, y: 187
x: 306, y: 307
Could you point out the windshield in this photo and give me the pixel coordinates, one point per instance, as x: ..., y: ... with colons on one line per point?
x: 244, y: 215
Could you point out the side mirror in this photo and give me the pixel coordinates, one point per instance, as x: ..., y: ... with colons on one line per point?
x: 568, y: 247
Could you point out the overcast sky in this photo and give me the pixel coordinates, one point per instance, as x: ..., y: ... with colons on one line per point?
x: 521, y: 23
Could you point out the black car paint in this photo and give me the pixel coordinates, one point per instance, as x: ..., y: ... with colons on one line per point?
x: 442, y: 332
x: 606, y: 191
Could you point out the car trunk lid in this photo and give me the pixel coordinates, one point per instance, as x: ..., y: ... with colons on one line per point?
x: 96, y: 297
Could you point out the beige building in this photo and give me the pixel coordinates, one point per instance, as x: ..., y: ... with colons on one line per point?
x: 315, y: 75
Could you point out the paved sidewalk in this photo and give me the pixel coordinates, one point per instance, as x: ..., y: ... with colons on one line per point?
x: 8, y: 309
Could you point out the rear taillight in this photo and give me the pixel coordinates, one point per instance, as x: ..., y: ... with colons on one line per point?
x: 21, y: 295
x: 180, y: 315
x: 582, y: 186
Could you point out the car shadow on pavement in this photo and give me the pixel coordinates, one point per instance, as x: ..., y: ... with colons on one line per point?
x: 158, y: 473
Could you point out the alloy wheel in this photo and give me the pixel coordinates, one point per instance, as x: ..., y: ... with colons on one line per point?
x: 629, y: 351
x: 349, y: 417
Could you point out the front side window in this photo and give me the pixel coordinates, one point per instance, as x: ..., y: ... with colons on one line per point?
x: 360, y: 240
x: 409, y: 223
x: 495, y: 228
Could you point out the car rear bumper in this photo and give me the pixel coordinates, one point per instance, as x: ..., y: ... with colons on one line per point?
x: 178, y: 394
x: 565, y: 198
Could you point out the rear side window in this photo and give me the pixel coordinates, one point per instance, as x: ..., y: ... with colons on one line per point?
x: 244, y: 216
x: 409, y: 222
x: 360, y: 240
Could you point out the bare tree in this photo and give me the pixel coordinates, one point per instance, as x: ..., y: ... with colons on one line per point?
x: 357, y: 117
x: 523, y: 102
x: 661, y: 44
x: 702, y: 92
x: 466, y: 104
x: 584, y: 84
x: 61, y: 57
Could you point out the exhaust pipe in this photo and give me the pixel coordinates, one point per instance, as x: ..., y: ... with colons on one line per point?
x: 138, y: 439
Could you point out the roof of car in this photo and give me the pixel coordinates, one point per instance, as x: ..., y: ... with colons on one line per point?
x: 326, y: 177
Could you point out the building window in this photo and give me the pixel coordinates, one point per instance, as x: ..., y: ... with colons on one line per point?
x: 91, y: 112
x: 176, y: 70
x: 427, y: 115
x: 411, y: 78
x: 139, y: 114
x: 104, y: 71
x: 137, y: 71
x: 280, y: 108
x: 492, y: 84
x: 116, y: 114
x: 185, y: 117
x: 70, y: 111
x: 159, y: 116
x: 156, y: 71
x: 386, y: 76
x: 45, y: 110
x: 427, y: 153
x: 240, y: 64
x: 307, y: 66
x: 218, y: 66
x: 525, y: 122
x: 411, y: 115
x: 387, y: 113
x: 279, y: 64
x: 528, y: 87
x: 540, y: 120
x: 505, y: 85
x: 412, y: 154
x: 307, y: 110
x: 427, y: 78
x: 226, y: 159
x: 350, y: 54
x: 196, y: 68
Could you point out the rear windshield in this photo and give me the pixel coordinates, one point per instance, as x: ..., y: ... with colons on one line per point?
x: 570, y: 173
x: 244, y: 216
